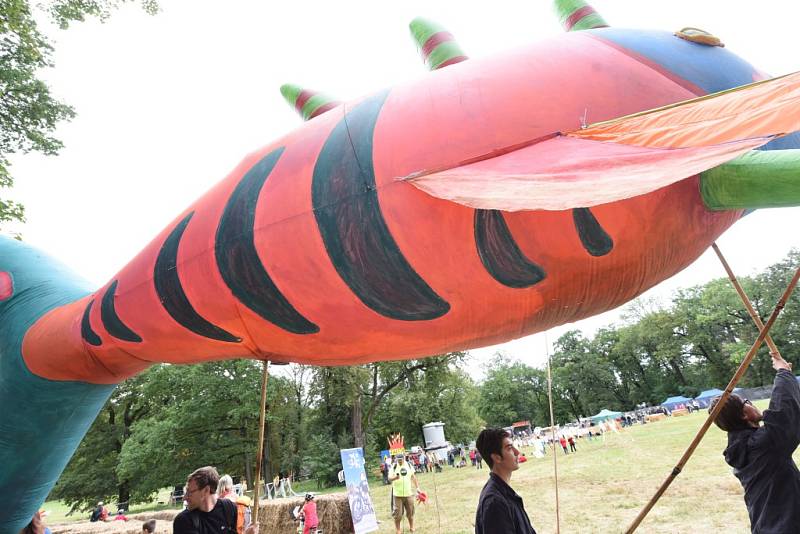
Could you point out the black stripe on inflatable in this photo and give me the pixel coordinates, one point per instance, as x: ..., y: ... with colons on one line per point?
x: 500, y: 254
x: 353, y: 229
x: 595, y: 240
x: 111, y: 321
x: 238, y: 259
x: 171, y: 294
x: 89, y: 335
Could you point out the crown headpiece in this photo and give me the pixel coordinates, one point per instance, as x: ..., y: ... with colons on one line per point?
x: 396, y: 444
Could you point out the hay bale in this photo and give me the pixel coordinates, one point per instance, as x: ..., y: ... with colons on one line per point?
x: 333, y: 511
x: 132, y: 526
x: 275, y: 517
x: 162, y: 515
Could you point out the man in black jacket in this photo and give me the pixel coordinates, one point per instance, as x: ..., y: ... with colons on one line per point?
x: 761, y: 456
x: 500, y: 509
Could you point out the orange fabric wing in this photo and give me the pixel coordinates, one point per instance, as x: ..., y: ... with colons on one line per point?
x: 564, y: 172
x: 624, y: 157
x: 770, y: 107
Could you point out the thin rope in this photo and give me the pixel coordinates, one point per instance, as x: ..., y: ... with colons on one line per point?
x: 552, y: 433
x: 718, y: 407
x: 260, y: 452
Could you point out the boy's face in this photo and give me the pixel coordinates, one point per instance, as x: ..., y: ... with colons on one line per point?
x: 194, y: 496
x: 509, y: 459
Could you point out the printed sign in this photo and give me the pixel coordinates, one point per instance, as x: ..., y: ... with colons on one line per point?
x: 355, y: 477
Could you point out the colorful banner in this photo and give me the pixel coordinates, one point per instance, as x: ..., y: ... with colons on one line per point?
x: 364, y: 519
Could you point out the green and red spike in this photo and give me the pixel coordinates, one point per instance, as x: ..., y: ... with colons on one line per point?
x: 307, y: 103
x: 436, y: 45
x: 577, y: 15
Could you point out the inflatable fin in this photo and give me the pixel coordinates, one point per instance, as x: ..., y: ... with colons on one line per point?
x: 436, y: 45
x: 308, y: 104
x: 576, y: 15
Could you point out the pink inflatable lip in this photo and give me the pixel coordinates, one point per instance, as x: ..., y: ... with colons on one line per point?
x: 6, y: 285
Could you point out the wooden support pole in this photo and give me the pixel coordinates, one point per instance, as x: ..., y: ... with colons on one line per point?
x: 260, y: 453
x: 553, y: 436
x: 773, y: 349
x: 718, y: 407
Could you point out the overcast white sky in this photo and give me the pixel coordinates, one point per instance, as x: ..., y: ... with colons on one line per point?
x: 168, y: 105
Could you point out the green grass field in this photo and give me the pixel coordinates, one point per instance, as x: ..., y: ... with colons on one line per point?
x: 601, y: 487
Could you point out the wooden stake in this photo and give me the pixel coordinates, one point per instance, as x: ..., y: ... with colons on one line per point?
x: 718, y: 407
x: 553, y: 434
x: 260, y: 453
x: 773, y: 349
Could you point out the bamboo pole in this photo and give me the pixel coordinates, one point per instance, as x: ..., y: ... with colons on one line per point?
x: 260, y: 453
x: 773, y: 349
x: 553, y: 435
x: 718, y: 407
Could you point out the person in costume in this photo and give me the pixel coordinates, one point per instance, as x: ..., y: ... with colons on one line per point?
x: 402, y: 477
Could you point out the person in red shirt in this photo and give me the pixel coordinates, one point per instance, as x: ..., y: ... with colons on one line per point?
x: 310, y: 519
x: 563, y: 442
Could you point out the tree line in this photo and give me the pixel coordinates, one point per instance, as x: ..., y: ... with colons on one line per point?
x: 163, y: 423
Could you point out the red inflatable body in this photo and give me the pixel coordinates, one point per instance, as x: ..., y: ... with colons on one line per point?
x: 313, y: 250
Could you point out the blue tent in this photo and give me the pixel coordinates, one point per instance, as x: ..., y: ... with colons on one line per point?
x: 673, y: 402
x: 705, y: 398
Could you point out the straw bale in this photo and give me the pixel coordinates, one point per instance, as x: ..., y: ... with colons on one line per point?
x: 274, y: 518
x: 132, y: 526
x: 333, y: 511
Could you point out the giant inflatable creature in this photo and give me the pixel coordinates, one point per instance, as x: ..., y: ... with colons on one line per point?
x: 463, y: 209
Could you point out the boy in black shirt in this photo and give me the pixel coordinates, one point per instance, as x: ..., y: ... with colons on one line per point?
x: 500, y: 509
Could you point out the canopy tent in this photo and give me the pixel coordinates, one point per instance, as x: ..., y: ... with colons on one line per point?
x: 605, y: 414
x: 521, y: 427
x: 705, y: 398
x: 673, y: 402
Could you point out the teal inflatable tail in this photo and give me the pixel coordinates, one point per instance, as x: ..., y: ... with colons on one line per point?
x: 42, y: 421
